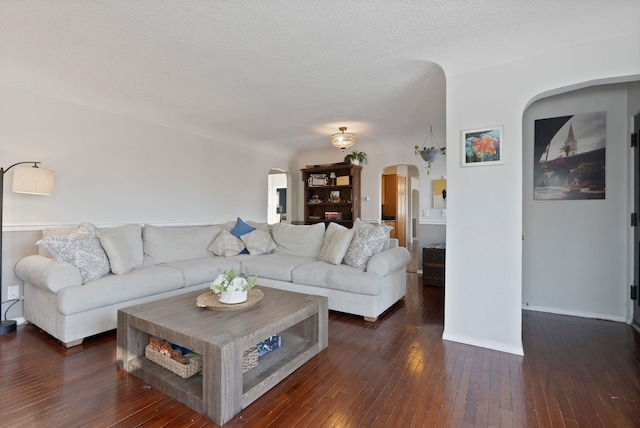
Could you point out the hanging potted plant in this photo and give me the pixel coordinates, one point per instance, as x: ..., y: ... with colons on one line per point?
x: 430, y: 153
x: 356, y: 158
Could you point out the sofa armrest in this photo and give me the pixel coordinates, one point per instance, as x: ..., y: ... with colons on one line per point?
x: 47, y: 273
x: 388, y: 261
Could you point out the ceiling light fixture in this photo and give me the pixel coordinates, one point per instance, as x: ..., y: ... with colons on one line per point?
x: 342, y: 140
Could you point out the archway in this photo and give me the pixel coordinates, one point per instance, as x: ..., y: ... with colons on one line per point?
x: 278, y: 196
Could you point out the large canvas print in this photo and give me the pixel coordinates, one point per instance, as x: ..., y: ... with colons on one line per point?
x: 569, y: 157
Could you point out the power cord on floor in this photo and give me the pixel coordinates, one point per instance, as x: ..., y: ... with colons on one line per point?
x: 10, y: 306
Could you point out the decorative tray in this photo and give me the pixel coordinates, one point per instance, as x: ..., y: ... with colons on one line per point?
x: 212, y: 301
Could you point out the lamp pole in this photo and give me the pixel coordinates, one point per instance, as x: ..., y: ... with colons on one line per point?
x: 6, y: 326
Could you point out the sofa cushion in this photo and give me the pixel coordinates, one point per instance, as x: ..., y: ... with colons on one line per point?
x: 332, y: 228
x: 81, y: 249
x: 205, y: 269
x: 299, y: 240
x: 274, y: 266
x: 368, y: 239
x: 337, y: 277
x: 110, y: 289
x: 172, y: 244
x: 338, y: 247
x: 226, y: 245
x: 258, y: 242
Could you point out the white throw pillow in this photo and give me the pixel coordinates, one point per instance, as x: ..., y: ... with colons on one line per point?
x: 133, y: 234
x: 82, y: 249
x: 258, y: 242
x: 338, y: 247
x: 367, y: 241
x: 226, y: 245
x: 298, y: 240
x: 332, y: 228
x: 119, y: 252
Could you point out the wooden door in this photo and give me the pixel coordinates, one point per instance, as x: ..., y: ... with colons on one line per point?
x: 401, y: 211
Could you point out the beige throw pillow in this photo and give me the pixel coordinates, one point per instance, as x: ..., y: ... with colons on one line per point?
x: 332, y: 228
x: 119, y: 251
x: 338, y: 247
x: 226, y: 245
x: 258, y: 242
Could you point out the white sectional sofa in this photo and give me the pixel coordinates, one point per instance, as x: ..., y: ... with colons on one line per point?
x: 75, y: 299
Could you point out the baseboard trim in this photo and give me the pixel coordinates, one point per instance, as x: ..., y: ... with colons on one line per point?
x: 474, y: 341
x: 569, y: 312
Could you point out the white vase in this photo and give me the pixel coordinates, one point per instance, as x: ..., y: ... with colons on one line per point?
x: 355, y: 162
x: 233, y: 297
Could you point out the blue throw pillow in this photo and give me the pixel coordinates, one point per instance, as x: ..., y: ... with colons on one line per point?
x: 241, y: 228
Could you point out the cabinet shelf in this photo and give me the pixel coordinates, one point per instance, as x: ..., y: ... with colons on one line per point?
x: 330, y: 204
x: 351, y: 192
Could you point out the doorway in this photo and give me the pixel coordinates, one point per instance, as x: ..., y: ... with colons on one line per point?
x: 399, y: 197
x: 277, y: 196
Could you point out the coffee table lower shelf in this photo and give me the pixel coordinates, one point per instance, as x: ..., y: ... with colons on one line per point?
x: 271, y: 369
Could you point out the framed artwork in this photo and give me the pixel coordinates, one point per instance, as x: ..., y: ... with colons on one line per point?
x: 569, y: 155
x: 334, y: 196
x: 482, y: 147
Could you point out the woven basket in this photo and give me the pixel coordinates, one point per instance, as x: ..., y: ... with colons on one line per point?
x: 249, y: 361
x: 182, y: 370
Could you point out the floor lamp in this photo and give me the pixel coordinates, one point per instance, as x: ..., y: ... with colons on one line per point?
x: 33, y: 181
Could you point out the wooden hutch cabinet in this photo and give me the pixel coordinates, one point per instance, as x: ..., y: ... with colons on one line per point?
x: 327, y: 199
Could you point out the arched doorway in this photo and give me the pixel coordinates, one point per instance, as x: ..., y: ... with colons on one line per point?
x: 277, y: 196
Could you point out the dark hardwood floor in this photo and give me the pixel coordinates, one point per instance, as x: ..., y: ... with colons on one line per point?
x: 397, y: 372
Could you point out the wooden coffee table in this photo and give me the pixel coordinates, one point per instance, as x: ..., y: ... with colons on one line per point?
x: 221, y: 391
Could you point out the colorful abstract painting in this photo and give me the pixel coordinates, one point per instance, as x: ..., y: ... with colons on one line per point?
x: 482, y: 146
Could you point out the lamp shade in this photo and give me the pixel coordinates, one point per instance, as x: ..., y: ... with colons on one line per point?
x: 34, y: 181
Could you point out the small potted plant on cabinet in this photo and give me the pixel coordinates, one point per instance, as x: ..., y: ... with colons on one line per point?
x: 356, y: 158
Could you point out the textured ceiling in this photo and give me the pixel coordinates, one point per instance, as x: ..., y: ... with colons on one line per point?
x: 283, y: 75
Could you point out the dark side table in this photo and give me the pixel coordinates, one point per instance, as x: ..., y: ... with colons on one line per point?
x: 433, y: 265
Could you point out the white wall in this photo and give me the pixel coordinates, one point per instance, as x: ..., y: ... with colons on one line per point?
x: 113, y: 170
x: 575, y: 252
x: 484, y: 215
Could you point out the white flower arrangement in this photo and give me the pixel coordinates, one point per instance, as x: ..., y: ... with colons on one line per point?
x: 232, y: 282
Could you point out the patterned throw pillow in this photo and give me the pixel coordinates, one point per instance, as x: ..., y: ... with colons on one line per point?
x: 226, y: 245
x: 82, y: 249
x: 368, y: 240
x: 258, y: 242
